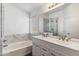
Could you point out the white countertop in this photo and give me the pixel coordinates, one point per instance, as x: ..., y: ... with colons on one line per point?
x: 73, y: 43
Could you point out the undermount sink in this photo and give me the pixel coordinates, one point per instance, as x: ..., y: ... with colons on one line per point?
x: 57, y: 38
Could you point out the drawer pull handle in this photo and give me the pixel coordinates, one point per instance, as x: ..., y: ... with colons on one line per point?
x: 37, y: 46
x: 52, y: 54
x: 44, y: 49
x: 5, y: 45
x: 43, y: 55
x: 4, y: 40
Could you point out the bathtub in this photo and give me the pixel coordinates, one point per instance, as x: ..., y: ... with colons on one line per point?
x: 19, y: 48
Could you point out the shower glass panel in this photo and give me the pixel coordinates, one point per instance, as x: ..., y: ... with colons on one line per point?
x: 0, y: 29
x: 15, y: 26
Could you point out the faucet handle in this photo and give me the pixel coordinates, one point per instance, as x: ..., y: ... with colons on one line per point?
x: 5, y: 45
x: 4, y: 40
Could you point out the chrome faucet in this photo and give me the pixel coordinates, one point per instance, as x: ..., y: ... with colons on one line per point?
x: 45, y: 34
x: 68, y: 37
x: 65, y: 37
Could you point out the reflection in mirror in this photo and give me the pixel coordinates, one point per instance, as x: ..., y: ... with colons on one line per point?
x: 50, y: 25
x: 53, y: 22
x: 53, y: 26
x: 46, y: 25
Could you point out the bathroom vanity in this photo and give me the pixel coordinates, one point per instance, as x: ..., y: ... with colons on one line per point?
x: 52, y: 46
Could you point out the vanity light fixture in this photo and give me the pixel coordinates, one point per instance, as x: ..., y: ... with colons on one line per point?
x: 49, y: 6
x: 52, y: 5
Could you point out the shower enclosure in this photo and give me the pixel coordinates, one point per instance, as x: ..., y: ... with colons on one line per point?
x: 14, y: 31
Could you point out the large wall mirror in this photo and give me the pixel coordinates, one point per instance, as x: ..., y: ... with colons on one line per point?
x: 53, y: 22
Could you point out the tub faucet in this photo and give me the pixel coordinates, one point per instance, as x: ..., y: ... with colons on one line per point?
x: 5, y: 45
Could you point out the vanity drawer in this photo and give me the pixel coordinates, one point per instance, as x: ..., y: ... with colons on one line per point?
x: 40, y: 50
x: 54, y: 53
x: 44, y: 51
x: 40, y: 42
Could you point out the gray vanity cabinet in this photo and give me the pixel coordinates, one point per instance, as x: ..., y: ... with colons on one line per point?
x: 40, y: 48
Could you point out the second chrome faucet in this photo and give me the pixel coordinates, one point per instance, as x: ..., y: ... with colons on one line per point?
x: 65, y: 37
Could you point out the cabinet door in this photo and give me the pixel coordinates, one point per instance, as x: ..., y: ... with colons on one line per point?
x: 44, y: 51
x: 36, y: 50
x: 55, y: 53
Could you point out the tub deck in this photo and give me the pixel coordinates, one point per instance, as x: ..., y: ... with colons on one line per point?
x: 18, y: 48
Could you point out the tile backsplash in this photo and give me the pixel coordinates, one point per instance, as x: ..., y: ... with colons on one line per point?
x: 15, y: 38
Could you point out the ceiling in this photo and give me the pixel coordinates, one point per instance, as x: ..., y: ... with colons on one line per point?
x: 29, y: 7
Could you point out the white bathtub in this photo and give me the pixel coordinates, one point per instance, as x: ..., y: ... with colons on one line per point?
x: 20, y: 48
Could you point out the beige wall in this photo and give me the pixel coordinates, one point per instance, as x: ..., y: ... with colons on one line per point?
x: 72, y: 20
